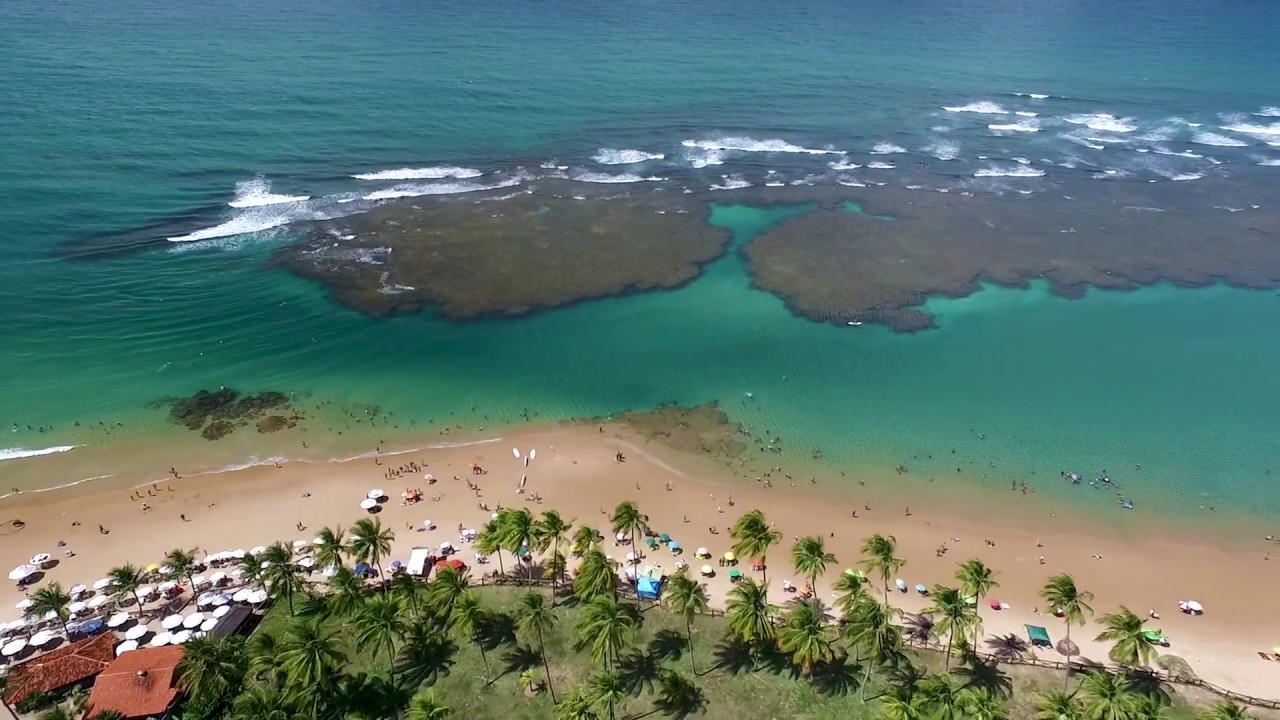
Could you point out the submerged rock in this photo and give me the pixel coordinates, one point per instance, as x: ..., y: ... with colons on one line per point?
x: 217, y: 413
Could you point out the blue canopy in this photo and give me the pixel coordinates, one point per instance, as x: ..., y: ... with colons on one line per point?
x: 361, y: 568
x: 648, y: 588
x: 674, y: 545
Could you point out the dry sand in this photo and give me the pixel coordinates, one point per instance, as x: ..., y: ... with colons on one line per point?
x: 575, y: 472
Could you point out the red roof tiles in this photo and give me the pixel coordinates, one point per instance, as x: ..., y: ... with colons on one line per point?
x: 138, y: 684
x: 65, y: 666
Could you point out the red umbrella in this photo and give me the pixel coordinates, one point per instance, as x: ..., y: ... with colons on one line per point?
x: 995, y: 604
x: 455, y: 563
x: 757, y: 565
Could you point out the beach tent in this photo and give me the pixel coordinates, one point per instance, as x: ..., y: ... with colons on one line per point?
x: 648, y: 588
x: 1038, y: 636
x: 418, y: 558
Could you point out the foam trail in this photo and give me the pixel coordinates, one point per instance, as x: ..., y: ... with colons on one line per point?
x: 596, y: 177
x: 877, y: 165
x: 257, y: 193
x: 1020, y: 126
x: 1254, y: 129
x: 1271, y: 111
x: 887, y: 148
x: 732, y: 182
x: 19, y: 453
x: 1208, y: 138
x: 1187, y: 176
x: 1184, y: 153
x: 843, y: 165
x: 425, y: 173
x: 448, y: 188
x: 985, y: 107
x: 747, y: 144
x: 1103, y: 121
x: 944, y: 149
x: 1269, y: 162
x: 1036, y: 96
x: 611, y: 156
x: 1025, y: 113
x: 242, y: 225
x: 1019, y: 171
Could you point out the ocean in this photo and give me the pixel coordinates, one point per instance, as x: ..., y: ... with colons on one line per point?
x: 157, y: 154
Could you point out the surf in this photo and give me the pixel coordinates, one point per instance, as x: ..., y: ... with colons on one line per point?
x: 19, y: 453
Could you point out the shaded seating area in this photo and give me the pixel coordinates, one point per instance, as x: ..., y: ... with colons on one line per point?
x: 61, y: 669
x: 1038, y: 636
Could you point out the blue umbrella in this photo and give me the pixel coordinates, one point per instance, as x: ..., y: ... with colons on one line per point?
x: 361, y: 568
x: 922, y: 589
x: 675, y: 546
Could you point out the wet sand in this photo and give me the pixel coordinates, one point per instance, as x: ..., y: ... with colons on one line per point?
x: 576, y: 473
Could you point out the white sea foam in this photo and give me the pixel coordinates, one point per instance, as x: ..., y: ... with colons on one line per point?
x: 611, y: 156
x: 18, y: 453
x: 1208, y: 138
x: 843, y: 165
x: 1269, y: 162
x: 1020, y: 126
x: 606, y: 178
x: 257, y: 192
x: 850, y: 183
x: 944, y: 149
x: 1187, y: 176
x: 1022, y: 161
x: 1103, y: 121
x: 985, y: 107
x: 1184, y: 153
x: 1025, y: 113
x: 1271, y: 111
x: 240, y: 225
x: 699, y: 158
x: 747, y: 144
x: 887, y: 148
x: 1021, y: 171
x: 732, y: 182
x: 1254, y: 129
x: 446, y: 188
x: 877, y: 165
x: 1037, y: 96
x: 424, y: 173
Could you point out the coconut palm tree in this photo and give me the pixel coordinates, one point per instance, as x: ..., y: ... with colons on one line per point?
x: 810, y: 557
x: 982, y: 705
x: 183, y: 564
x: 330, y: 547
x: 752, y: 538
x: 1055, y: 705
x: 1105, y: 696
x: 606, y: 689
x: 871, y: 628
x: 51, y: 599
x: 1225, y: 710
x: 952, y: 613
x: 425, y: 654
x: 550, y: 532
x: 585, y: 538
x: 467, y: 618
x: 489, y: 542
x: 212, y: 668
x: 596, y: 577
x: 370, y: 543
x: 252, y: 571
x: 517, y: 532
x: 606, y: 626
x: 940, y: 697
x: 424, y: 706
x: 749, y: 613
x: 125, y: 580
x: 450, y: 584
x: 312, y: 659
x: 686, y: 597
x: 850, y: 589
x: 379, y: 624
x: 678, y: 697
x: 534, y: 620
x: 878, y: 552
x: 1062, y: 595
x: 976, y: 581
x: 576, y: 705
x: 404, y: 588
x: 895, y: 707
x: 628, y: 519
x: 282, y: 573
x: 262, y: 702
x: 806, y: 636
x: 108, y: 715
x: 1126, y: 633
x: 264, y: 664
x: 346, y: 592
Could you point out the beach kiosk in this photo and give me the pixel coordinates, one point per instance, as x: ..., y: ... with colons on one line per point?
x: 648, y: 588
x: 1039, y: 636
x: 418, y: 561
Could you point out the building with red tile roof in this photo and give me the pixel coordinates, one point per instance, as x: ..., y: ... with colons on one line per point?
x: 67, y: 666
x: 139, y: 684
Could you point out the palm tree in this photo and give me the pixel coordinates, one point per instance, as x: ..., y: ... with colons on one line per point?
x: 518, y: 534
x: 750, y: 616
x: 212, y: 668
x: 467, y: 617
x: 810, y: 557
x: 282, y: 574
x: 806, y: 635
x: 550, y: 532
x: 940, y: 698
x: 1130, y: 646
x: 534, y: 620
x: 897, y: 707
x: 678, y: 697
x: 1225, y: 710
x: 108, y: 715
x: 330, y: 547
x: 370, y: 543
x: 450, y: 584
x: 489, y: 542
x: 607, y: 689
x: 252, y: 571
x: 51, y: 599
x: 628, y: 519
x: 346, y: 593
x: 686, y: 597
x: 595, y: 577
x: 606, y: 626
x: 752, y: 538
x: 1062, y: 595
x: 584, y: 539
x: 57, y: 712
x: 976, y: 580
x: 312, y: 659
x: 125, y: 580
x: 404, y: 588
x: 953, y: 614
x: 871, y: 628
x: 850, y: 589
x: 1055, y: 705
x: 379, y: 624
x: 1106, y: 696
x: 879, y: 559
x: 424, y: 706
x: 262, y: 702
x: 265, y: 665
x: 982, y: 705
x: 183, y: 564
x: 576, y: 705
x: 425, y: 654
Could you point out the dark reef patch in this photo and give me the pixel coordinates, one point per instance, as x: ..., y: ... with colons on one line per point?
x: 833, y: 265
x: 704, y: 429
x: 218, y: 413
x: 553, y: 245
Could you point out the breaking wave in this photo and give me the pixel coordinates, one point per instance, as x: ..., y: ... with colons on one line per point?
x: 843, y: 165
x: 877, y: 165
x: 597, y: 177
x: 611, y: 156
x: 448, y: 188
x: 1208, y: 138
x: 1019, y: 171
x: 18, y: 453
x: 1103, y: 121
x: 985, y: 107
x: 257, y: 193
x: 1020, y: 126
x: 425, y: 173
x: 747, y: 144
x: 887, y: 148
x: 944, y: 149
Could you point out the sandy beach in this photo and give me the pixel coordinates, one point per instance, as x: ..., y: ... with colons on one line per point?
x: 695, y: 499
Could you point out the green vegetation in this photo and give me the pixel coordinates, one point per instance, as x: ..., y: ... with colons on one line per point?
x: 359, y: 649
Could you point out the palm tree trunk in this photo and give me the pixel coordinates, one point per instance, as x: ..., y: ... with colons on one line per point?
x: 501, y: 570
x: 139, y: 601
x: 950, y: 636
x: 555, y: 573
x: 764, y: 577
x: 485, y: 657
x: 1066, y: 671
x: 391, y: 658
x: 546, y: 665
x: 688, y: 631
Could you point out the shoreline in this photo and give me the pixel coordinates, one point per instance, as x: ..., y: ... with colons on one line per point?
x: 575, y: 473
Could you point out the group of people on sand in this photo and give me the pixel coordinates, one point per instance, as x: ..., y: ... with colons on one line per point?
x: 412, y: 467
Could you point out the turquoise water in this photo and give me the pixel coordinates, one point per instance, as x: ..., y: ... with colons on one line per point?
x: 130, y: 123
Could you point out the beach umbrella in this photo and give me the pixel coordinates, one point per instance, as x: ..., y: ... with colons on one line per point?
x: 41, y: 559
x: 257, y: 550
x: 220, y: 599
x: 622, y: 537
x: 735, y: 574
x: 920, y: 588
x: 198, y: 581
x: 118, y: 619
x: 674, y: 546
x: 97, y: 601
x: 171, y: 621
x: 664, y: 538
x: 126, y: 646
x: 25, y: 603
x: 51, y: 615
x: 730, y: 557
x: 166, y: 569
x: 220, y: 611
x: 1068, y: 647
x: 516, y: 452
x: 145, y: 591
x: 651, y: 543
x: 22, y: 572
x: 238, y: 554
x: 368, y: 504
x: 204, y: 599
x: 169, y: 586
x: 161, y: 639
x: 77, y: 607
x: 208, y: 624
x: 193, y: 620
x: 237, y: 571
x: 631, y: 557
x: 301, y: 544
x: 258, y: 596
x: 758, y: 565
x: 42, y: 638
x: 217, y: 578
x: 629, y: 572
x: 241, y: 595
x: 13, y: 647
x: 78, y: 590
x: 428, y: 525
x: 702, y: 552
x: 153, y: 567
x: 137, y: 632
x: 1194, y: 606
x: 307, y: 562
x: 102, y: 583
x: 706, y: 570
x: 376, y: 494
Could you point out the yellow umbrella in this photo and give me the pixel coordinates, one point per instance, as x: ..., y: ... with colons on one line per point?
x: 730, y: 556
x: 153, y: 567
x: 1276, y: 650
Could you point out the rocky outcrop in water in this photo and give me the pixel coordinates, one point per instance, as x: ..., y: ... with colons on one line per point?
x: 218, y: 413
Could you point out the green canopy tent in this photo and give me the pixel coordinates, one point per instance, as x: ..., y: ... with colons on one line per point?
x: 1038, y: 636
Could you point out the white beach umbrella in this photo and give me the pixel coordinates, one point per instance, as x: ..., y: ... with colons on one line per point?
x: 238, y: 554
x: 368, y: 504
x: 376, y: 494
x: 126, y: 646
x: 169, y: 586
x: 631, y: 557
x: 13, y: 647
x: 198, y: 581
x: 41, y: 558
x: 170, y: 622
x: 300, y: 544
x: 118, y: 619
x: 97, y: 601
x: 258, y: 550
x: 428, y: 525
x: 146, y: 591
x: 181, y: 637
x: 317, y: 540
x: 137, y: 632
x: 51, y: 615
x: 237, y: 572
x: 1194, y: 606
x: 629, y: 573
x: 220, y: 611
x: 516, y: 452
x: 217, y: 578
x: 25, y: 603
x: 702, y: 552
x: 706, y: 570
x: 22, y: 572
x: 307, y: 562
x: 220, y: 599
x: 78, y: 590
x: 622, y: 537
x: 193, y: 620
x: 161, y: 639
x: 102, y: 583
x: 77, y: 607
x: 208, y: 624
x: 42, y: 638
x: 258, y: 596
x: 18, y: 624
x: 241, y: 595
x: 205, y: 599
